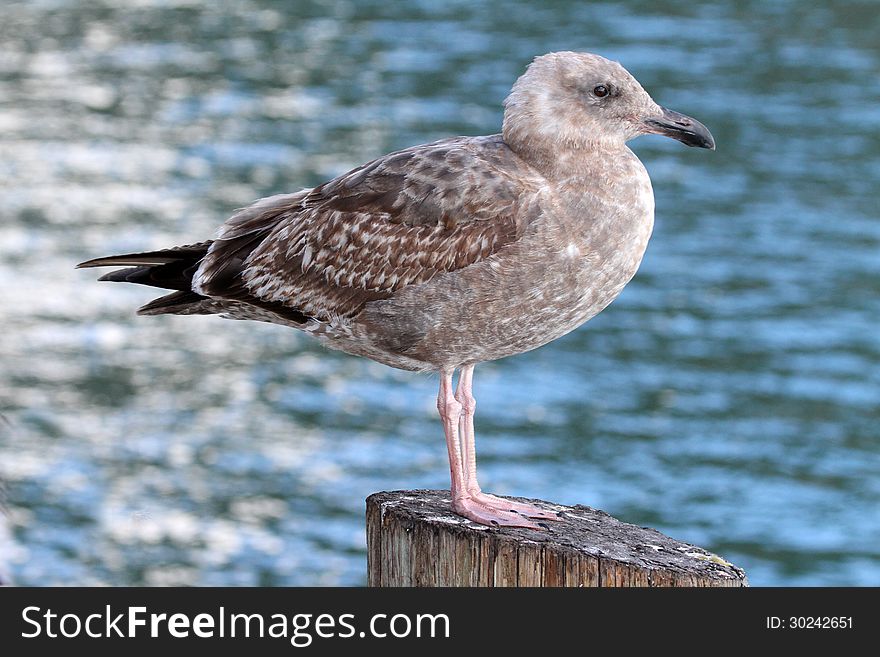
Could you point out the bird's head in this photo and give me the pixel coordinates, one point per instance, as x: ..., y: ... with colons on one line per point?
x: 572, y: 100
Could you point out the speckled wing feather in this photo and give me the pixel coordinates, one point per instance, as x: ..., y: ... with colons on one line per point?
x: 400, y: 220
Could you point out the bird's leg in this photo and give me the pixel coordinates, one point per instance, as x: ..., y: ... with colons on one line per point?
x: 450, y: 410
x: 465, y: 397
x: 462, y: 502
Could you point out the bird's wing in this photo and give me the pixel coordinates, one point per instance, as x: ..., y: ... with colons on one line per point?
x: 397, y: 221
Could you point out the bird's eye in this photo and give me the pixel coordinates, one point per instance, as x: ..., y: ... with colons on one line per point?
x: 600, y: 91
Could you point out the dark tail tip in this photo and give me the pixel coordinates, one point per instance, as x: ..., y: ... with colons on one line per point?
x: 175, y: 303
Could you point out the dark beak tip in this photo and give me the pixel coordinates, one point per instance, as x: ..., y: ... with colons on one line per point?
x: 683, y: 128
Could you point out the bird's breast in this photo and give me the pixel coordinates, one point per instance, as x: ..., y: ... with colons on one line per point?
x: 594, y: 237
x: 575, y: 261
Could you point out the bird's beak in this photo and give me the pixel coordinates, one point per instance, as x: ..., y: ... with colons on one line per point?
x: 678, y: 126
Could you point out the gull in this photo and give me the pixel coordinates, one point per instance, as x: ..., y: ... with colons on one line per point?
x: 445, y: 255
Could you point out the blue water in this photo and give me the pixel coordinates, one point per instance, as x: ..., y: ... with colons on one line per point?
x: 730, y: 397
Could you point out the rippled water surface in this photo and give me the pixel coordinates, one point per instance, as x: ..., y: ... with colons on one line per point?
x: 729, y: 397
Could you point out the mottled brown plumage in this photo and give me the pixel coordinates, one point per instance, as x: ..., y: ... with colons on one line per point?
x: 378, y: 229
x: 444, y: 255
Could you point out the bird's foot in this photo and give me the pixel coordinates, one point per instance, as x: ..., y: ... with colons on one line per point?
x: 484, y: 514
x: 503, y: 504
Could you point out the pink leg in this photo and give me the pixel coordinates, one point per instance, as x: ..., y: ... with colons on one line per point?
x: 464, y: 396
x: 462, y: 503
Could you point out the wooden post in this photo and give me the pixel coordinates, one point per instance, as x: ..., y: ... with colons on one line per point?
x: 413, y: 539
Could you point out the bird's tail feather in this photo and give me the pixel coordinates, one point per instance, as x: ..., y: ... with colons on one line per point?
x: 194, y: 252
x: 170, y: 269
x: 177, y: 303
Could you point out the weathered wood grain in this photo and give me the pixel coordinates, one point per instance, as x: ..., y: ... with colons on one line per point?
x: 413, y: 539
